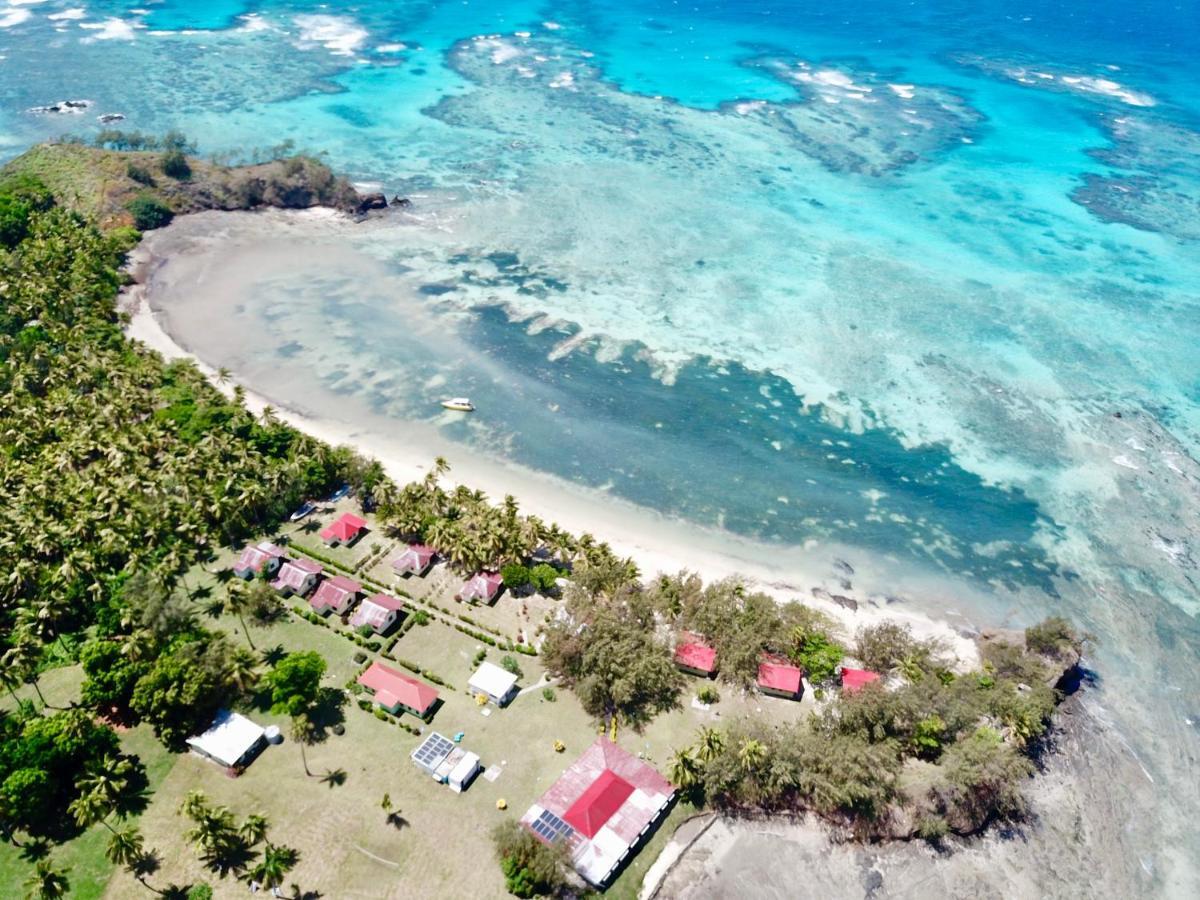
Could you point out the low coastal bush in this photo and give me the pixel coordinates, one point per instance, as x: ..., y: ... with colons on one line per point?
x: 149, y: 212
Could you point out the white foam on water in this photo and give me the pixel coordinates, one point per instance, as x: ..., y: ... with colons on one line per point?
x: 339, y: 35
x: 68, y: 15
x: 1108, y: 88
x: 14, y: 17
x: 111, y: 29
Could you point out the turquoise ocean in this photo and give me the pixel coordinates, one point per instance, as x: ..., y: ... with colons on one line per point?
x: 919, y: 279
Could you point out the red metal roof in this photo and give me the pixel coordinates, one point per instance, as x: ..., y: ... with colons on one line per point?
x: 414, y: 558
x: 334, y: 591
x: 693, y: 652
x: 390, y: 685
x: 484, y: 585
x: 856, y: 679
x: 254, y: 558
x: 597, y: 804
x: 374, y: 611
x: 779, y: 675
x: 293, y: 572
x: 345, y: 528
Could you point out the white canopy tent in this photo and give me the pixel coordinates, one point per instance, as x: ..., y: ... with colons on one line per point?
x: 230, y: 740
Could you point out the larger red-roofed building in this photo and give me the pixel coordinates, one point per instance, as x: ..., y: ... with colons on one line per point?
x: 602, y: 807
x: 335, y: 595
x: 345, y: 530
x: 779, y: 678
x: 297, y: 576
x: 396, y: 692
x: 695, y: 655
x: 854, y: 680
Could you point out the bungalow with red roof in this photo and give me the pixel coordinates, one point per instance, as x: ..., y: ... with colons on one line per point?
x: 263, y: 556
x: 600, y: 809
x: 346, y: 530
x: 297, y: 576
x: 779, y: 678
x: 485, y: 586
x: 415, y: 559
x: 695, y: 655
x: 380, y: 611
x: 396, y: 692
x: 854, y: 680
x: 335, y: 595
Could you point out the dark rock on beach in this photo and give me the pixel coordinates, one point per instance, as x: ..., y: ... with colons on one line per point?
x: 402, y: 202
x: 371, y: 201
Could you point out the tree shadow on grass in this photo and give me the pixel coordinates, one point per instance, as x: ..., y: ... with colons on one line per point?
x: 272, y: 656
x: 328, y: 711
x: 136, y: 796
x: 334, y: 778
x: 214, y: 609
x: 397, y: 821
x: 35, y: 849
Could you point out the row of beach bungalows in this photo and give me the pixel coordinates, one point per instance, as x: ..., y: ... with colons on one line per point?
x: 333, y: 594
x: 777, y: 676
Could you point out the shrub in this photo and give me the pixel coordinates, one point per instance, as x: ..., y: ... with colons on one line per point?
x: 708, y: 694
x: 381, y: 715
x: 364, y: 704
x: 175, y: 164
x: 199, y: 892
x: 359, y: 656
x: 515, y: 575
x: 139, y: 174
x: 411, y: 666
x: 544, y: 577
x: 479, y: 657
x: 549, y: 695
x: 420, y: 617
x: 149, y: 212
x: 1051, y: 636
x: 530, y: 867
x: 509, y: 664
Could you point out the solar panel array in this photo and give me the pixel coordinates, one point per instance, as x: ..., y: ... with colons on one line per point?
x: 434, y: 749
x: 551, y: 827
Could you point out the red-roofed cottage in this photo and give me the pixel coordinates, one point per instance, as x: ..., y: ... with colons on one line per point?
x: 483, y: 586
x: 856, y: 679
x: 695, y: 656
x: 263, y: 556
x: 380, y: 611
x: 297, y: 576
x: 415, y: 559
x: 335, y: 595
x: 602, y: 807
x: 346, y: 530
x: 396, y: 692
x: 779, y: 678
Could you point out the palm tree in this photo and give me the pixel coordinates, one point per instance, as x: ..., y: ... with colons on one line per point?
x: 22, y: 659
x: 90, y: 809
x: 685, y: 769
x: 254, y: 829
x: 274, y: 866
x: 127, y: 848
x: 194, y: 805
x: 46, y: 882
x: 108, y: 778
x: 710, y: 744
x: 303, y: 733
x: 752, y: 755
x: 244, y: 673
x: 240, y: 602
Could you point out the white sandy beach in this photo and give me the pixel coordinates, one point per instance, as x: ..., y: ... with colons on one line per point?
x: 882, y: 588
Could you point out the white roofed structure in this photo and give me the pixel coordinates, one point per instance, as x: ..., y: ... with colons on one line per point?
x: 230, y: 741
x: 497, y: 683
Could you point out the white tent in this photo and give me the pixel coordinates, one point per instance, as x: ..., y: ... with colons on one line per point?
x: 230, y: 740
x: 494, y: 681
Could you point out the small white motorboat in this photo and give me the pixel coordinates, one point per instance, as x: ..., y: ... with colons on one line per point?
x: 459, y: 404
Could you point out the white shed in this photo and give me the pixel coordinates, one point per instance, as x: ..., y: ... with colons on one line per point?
x: 231, y: 740
x: 498, y: 684
x: 463, y: 772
